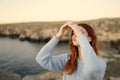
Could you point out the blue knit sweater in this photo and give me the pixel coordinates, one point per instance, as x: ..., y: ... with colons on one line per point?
x: 91, y: 67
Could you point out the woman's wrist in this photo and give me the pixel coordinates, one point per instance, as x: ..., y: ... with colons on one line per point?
x: 78, y: 33
x: 58, y: 36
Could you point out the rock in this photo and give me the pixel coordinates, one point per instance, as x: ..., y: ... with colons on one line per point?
x: 44, y: 76
x: 115, y: 45
x: 27, y: 32
x: 16, y: 31
x: 34, y: 37
x: 22, y: 37
x: 48, y: 33
x: 6, y: 32
x: 116, y: 55
x: 113, y: 78
x: 5, y: 75
x: 109, y: 60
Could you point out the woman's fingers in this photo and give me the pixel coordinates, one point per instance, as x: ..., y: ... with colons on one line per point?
x: 67, y: 28
x: 64, y: 30
x: 75, y: 28
x: 72, y: 26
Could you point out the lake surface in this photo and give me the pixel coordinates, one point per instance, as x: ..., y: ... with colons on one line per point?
x: 19, y: 56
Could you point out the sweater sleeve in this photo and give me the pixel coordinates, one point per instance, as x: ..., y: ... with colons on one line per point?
x: 49, y: 62
x: 94, y: 66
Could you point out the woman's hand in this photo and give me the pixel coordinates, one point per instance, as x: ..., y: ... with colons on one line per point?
x: 64, y: 29
x: 75, y: 28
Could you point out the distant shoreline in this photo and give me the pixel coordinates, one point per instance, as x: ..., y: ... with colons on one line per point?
x: 107, y: 29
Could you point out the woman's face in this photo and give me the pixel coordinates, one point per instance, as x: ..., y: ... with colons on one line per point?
x: 74, y: 37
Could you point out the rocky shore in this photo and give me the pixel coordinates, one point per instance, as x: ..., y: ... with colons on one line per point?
x: 106, y: 29
x: 6, y: 75
x: 35, y: 32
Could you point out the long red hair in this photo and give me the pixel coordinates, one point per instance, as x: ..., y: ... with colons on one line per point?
x: 71, y: 65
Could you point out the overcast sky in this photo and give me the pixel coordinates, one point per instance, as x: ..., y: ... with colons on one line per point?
x: 12, y: 11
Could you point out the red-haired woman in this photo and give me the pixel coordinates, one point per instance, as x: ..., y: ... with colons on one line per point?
x: 83, y: 62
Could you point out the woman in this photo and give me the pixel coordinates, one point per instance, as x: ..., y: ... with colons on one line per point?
x: 83, y: 62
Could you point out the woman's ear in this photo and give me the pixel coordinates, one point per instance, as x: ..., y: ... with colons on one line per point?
x: 89, y: 39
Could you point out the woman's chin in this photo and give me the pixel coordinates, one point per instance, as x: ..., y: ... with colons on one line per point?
x: 75, y: 44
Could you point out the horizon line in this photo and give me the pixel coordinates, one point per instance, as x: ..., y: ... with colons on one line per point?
x: 55, y: 20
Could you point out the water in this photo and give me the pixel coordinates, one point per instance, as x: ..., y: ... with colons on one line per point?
x: 19, y: 56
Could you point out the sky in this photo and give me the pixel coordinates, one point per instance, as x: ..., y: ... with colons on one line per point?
x: 12, y: 11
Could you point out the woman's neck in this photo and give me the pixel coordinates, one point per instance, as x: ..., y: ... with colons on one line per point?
x: 79, y: 53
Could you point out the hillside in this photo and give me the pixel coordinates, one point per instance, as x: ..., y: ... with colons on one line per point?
x: 107, y: 29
